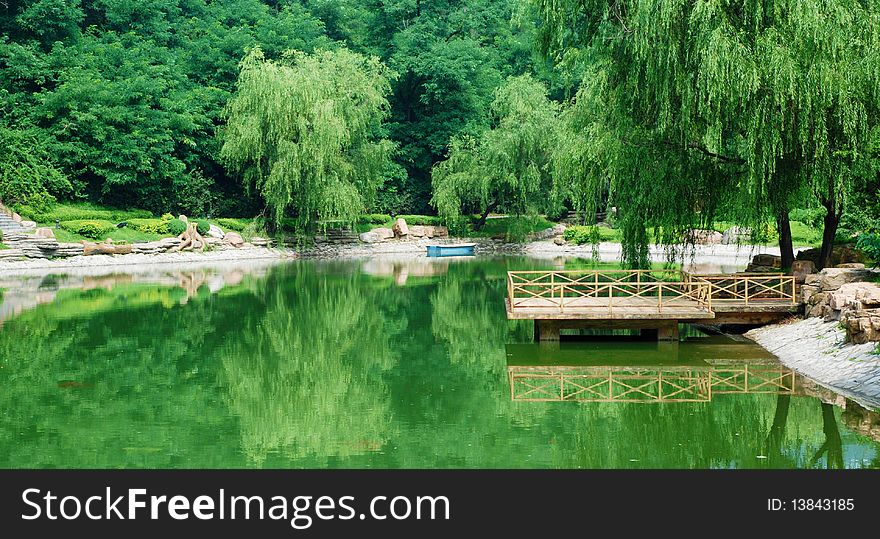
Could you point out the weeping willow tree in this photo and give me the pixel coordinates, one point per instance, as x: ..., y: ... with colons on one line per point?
x: 306, y: 132
x: 505, y: 167
x: 692, y: 106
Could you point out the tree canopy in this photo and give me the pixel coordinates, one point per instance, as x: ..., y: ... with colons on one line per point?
x: 506, y: 166
x: 305, y: 131
x: 744, y: 105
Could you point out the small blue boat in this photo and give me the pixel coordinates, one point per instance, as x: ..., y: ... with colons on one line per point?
x: 452, y: 249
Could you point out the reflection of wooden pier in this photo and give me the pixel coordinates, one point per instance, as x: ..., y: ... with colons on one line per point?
x: 610, y: 383
x: 648, y: 300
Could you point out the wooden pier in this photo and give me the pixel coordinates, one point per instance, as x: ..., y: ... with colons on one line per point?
x: 653, y: 301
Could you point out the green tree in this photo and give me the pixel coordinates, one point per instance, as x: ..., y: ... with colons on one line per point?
x: 28, y: 173
x: 745, y: 105
x: 306, y: 131
x: 506, y: 166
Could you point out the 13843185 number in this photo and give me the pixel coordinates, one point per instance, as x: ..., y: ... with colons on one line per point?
x: 822, y: 504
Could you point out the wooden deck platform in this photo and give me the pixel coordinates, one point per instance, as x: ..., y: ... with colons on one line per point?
x: 645, y: 299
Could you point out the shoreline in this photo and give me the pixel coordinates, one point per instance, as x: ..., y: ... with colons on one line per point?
x: 816, y: 349
x: 704, y: 258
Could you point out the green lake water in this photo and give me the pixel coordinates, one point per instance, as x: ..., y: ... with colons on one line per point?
x: 363, y: 364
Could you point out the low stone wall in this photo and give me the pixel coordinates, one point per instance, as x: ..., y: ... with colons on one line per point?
x: 42, y: 245
x: 847, y: 295
x: 401, y: 231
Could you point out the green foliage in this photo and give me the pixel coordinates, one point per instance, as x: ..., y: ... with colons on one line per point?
x: 148, y: 226
x: 28, y: 173
x: 374, y: 219
x: 94, y: 229
x: 582, y: 235
x: 505, y: 167
x: 688, y: 107
x: 175, y: 227
x: 202, y: 227
x: 870, y: 245
x: 79, y: 212
x: 237, y: 225
x: 810, y: 216
x: 304, y: 131
x: 431, y: 220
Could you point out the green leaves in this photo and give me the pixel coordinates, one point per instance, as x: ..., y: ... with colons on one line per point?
x: 745, y: 106
x: 305, y: 131
x: 506, y: 166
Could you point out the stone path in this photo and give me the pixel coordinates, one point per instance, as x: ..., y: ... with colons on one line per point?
x: 816, y: 349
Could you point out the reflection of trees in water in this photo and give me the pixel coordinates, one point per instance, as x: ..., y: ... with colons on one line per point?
x: 832, y: 448
x: 304, y: 374
x: 104, y: 379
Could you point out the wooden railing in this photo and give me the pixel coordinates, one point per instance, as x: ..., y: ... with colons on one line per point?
x: 561, y: 289
x: 748, y: 288
x: 646, y: 384
x: 599, y: 288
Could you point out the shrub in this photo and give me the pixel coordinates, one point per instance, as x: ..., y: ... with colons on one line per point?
x: 420, y: 219
x: 810, y: 216
x: 94, y: 229
x: 870, y: 245
x: 375, y: 219
x: 175, y: 227
x: 203, y: 227
x: 237, y: 225
x: 78, y: 212
x: 148, y: 226
x: 581, y: 235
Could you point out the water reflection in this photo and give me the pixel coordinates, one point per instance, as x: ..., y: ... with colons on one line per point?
x: 655, y: 374
x: 321, y: 364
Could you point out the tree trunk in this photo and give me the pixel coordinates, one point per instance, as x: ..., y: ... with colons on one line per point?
x: 829, y: 230
x: 786, y: 249
x: 482, y: 220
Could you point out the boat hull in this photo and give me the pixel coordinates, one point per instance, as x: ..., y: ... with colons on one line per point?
x: 466, y: 249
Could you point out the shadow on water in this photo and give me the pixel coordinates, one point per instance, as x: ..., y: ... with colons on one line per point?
x: 349, y: 364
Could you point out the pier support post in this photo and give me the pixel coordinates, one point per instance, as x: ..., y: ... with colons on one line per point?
x: 668, y: 332
x: 546, y: 330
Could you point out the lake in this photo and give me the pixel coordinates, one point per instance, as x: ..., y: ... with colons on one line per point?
x: 380, y: 364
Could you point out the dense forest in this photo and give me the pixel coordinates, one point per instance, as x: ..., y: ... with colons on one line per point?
x: 675, y: 113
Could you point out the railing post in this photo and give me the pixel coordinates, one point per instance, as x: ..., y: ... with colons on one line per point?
x: 660, y: 296
x: 747, y: 290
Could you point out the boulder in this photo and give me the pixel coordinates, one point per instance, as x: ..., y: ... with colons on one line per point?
x: 28, y: 224
x: 703, y: 237
x: 234, y: 239
x: 215, y: 231
x: 105, y: 248
x: 862, y: 326
x: 384, y: 233
x: 548, y: 233
x: 833, y: 278
x: 764, y: 259
x: 851, y: 265
x: 183, y: 218
x: 801, y: 268
x: 260, y: 242
x: 44, y: 233
x: 841, y: 254
x: 400, y: 228
x: 735, y: 235
x: 16, y: 217
x: 559, y: 240
x: 370, y: 237
x: 856, y: 296
x: 417, y: 231
x: 439, y: 231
